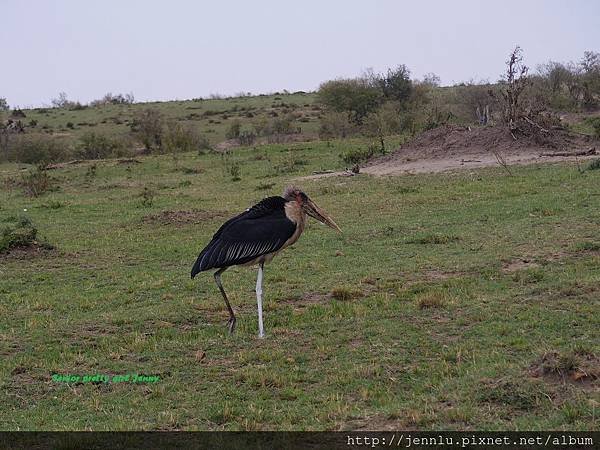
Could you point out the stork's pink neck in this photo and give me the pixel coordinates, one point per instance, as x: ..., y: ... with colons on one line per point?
x: 295, y: 213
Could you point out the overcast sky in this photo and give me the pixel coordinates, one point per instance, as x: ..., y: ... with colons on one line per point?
x: 176, y: 49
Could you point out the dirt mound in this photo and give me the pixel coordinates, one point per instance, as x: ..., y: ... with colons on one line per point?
x: 182, y: 217
x: 451, y: 147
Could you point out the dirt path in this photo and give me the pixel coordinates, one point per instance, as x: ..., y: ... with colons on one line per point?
x: 464, y: 161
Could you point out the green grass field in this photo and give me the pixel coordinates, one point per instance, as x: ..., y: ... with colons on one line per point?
x: 465, y: 300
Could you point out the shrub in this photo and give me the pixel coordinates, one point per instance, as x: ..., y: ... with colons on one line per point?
x: 233, y: 132
x: 232, y: 168
x: 235, y: 171
x: 148, y: 125
x: 260, y: 124
x: 359, y: 156
x: 36, y: 148
x: 282, y: 125
x: 22, y: 233
x: 356, y: 97
x: 183, y: 138
x: 94, y: 145
x: 36, y: 181
x: 335, y: 125
x: 395, y: 84
x: 147, y: 196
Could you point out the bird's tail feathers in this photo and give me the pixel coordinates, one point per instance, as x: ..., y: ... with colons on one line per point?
x: 198, y: 266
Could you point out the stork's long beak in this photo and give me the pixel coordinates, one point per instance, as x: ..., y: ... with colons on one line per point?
x: 313, y: 210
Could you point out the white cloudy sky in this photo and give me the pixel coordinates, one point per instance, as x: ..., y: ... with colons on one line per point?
x: 162, y: 50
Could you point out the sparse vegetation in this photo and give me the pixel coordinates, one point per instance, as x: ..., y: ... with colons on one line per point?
x: 147, y: 196
x: 36, y: 181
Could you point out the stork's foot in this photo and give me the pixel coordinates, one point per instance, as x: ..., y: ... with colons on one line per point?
x: 231, y: 324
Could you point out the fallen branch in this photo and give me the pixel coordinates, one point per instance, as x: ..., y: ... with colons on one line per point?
x: 589, y: 152
x: 528, y: 120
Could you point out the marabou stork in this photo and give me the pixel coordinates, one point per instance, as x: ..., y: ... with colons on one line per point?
x: 256, y: 236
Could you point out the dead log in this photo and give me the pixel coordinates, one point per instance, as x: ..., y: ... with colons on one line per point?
x: 589, y: 152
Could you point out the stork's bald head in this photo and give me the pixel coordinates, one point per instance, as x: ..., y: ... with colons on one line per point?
x: 294, y: 193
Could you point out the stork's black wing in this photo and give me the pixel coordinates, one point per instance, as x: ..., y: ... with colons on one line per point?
x: 262, y: 229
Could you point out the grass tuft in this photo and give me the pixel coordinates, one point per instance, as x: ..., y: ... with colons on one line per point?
x: 344, y: 293
x: 587, y: 246
x: 433, y: 299
x: 594, y: 165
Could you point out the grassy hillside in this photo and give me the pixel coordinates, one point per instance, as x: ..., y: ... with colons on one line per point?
x: 211, y: 117
x: 463, y: 300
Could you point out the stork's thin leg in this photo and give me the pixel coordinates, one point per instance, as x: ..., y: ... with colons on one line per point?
x: 261, y: 331
x: 231, y: 322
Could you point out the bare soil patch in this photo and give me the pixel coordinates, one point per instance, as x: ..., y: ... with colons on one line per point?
x: 310, y: 298
x: 35, y: 250
x: 183, y: 217
x: 580, y: 368
x: 518, y: 264
x: 452, y: 147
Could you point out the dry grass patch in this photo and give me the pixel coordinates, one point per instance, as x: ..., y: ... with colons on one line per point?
x: 435, y: 299
x: 345, y: 293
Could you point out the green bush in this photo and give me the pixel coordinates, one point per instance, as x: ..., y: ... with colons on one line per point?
x: 181, y: 138
x: 357, y: 97
x: 148, y: 125
x: 36, y: 148
x: 93, y: 145
x: 359, y: 156
x: 595, y: 123
x: 21, y: 233
x: 335, y: 125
